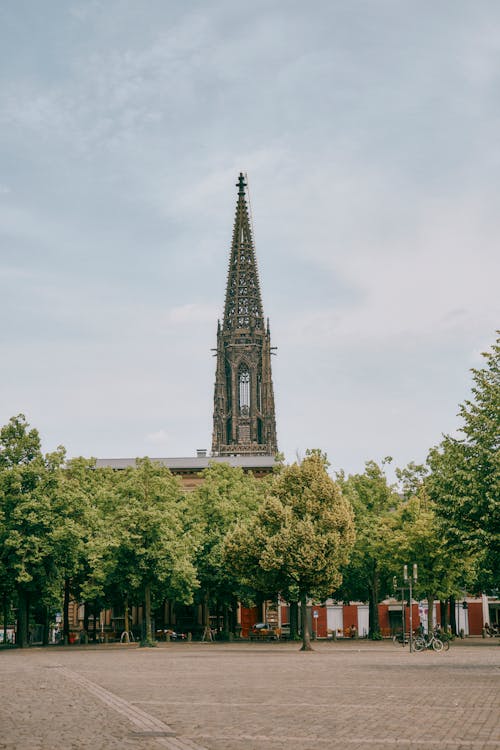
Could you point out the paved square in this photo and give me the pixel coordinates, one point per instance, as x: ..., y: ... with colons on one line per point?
x: 189, y: 696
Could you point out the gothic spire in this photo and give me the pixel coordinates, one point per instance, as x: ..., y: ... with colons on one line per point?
x: 244, y: 417
x: 243, y: 306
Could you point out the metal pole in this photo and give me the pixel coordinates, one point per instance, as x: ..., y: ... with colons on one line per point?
x: 411, y: 616
x: 403, y: 613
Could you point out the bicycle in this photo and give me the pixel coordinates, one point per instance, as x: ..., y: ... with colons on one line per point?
x: 445, y: 638
x: 422, y: 642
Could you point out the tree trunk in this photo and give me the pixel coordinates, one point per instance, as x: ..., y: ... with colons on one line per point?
x: 225, y: 617
x: 374, y: 623
x: 86, y: 617
x: 217, y: 618
x: 294, y: 620
x: 66, y: 612
x: 147, y: 613
x: 45, y: 635
x: 94, y: 628
x: 444, y: 615
x: 306, y: 635
x: 22, y: 619
x: 207, y: 631
x: 5, y: 616
x: 430, y: 612
x: 453, y: 616
x: 126, y: 623
x: 234, y: 615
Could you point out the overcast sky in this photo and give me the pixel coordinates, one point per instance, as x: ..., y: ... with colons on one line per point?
x: 370, y: 134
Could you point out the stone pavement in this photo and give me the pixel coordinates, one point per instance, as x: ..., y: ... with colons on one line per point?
x: 249, y: 696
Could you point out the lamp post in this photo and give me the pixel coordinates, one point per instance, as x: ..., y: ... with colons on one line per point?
x: 410, y: 579
x: 403, y: 619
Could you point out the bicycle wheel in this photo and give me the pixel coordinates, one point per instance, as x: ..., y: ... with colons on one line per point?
x: 418, y: 644
x: 437, y: 645
x: 446, y: 645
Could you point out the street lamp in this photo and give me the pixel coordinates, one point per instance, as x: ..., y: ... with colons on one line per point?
x: 410, y: 579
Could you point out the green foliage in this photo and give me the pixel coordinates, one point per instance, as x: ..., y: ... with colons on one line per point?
x: 144, y: 550
x: 96, y: 532
x: 227, y: 496
x: 147, y: 543
x: 465, y: 472
x: 299, y: 537
x: 374, y: 501
x: 30, y: 524
x: 411, y: 478
x: 18, y: 445
x: 419, y: 536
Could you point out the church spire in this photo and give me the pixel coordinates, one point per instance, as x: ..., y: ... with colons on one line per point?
x: 243, y: 307
x: 244, y: 415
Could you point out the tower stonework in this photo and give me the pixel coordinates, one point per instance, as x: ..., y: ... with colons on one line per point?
x: 244, y: 414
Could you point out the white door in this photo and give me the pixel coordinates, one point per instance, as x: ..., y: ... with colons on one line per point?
x: 335, y: 619
x: 462, y: 618
x: 363, y: 620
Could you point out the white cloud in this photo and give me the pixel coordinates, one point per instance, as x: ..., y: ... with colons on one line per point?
x: 160, y: 438
x: 192, y: 313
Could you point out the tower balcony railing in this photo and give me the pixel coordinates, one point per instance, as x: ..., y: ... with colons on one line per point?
x: 247, y: 449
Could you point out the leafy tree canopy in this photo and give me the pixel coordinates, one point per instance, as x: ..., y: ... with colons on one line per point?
x: 299, y: 537
x: 464, y: 479
x: 18, y: 444
x: 227, y: 496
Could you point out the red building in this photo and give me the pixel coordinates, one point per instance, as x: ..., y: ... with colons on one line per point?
x: 333, y: 620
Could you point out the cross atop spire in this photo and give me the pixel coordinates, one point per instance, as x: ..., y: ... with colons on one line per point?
x: 241, y: 185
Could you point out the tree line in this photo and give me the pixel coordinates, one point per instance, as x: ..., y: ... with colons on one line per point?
x: 105, y: 538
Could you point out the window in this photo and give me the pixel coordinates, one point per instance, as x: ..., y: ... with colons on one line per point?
x: 244, y: 390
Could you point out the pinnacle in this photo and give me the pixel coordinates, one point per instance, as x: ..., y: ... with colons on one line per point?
x: 243, y: 306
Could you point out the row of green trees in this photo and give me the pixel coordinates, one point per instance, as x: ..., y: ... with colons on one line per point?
x: 117, y: 538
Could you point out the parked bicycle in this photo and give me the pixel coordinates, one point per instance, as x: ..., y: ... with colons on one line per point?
x: 422, y: 642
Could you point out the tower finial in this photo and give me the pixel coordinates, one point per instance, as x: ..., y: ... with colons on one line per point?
x: 241, y: 184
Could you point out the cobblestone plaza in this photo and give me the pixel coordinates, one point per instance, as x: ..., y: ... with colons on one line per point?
x: 189, y: 696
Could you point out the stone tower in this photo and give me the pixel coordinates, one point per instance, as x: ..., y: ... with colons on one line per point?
x: 244, y: 416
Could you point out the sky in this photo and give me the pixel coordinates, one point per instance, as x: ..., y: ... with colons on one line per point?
x: 370, y: 134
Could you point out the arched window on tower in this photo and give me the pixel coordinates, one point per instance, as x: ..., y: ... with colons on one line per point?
x: 244, y: 390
